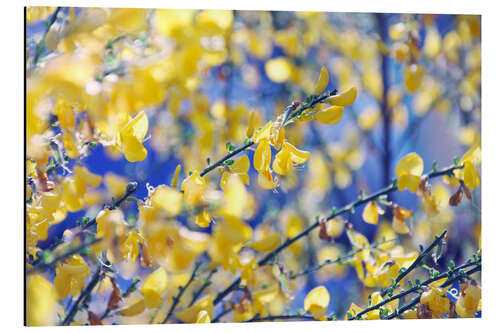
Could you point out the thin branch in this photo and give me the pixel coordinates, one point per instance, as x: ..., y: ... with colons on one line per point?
x: 345, y: 209
x: 41, y: 44
x: 421, y: 256
x: 205, y: 285
x: 181, y: 292
x: 63, y: 256
x: 419, y: 287
x: 131, y: 188
x: 416, y: 300
x: 281, y: 317
x: 226, y: 157
x: 250, y: 143
x: 339, y: 259
x: 84, y: 295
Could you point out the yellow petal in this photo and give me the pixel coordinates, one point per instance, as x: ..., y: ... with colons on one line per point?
x: 268, y: 243
x: 262, y: 156
x: 251, y: 124
x: 316, y: 302
x: 203, y: 219
x: 345, y: 98
x: 168, y: 199
x: 133, y: 149
x: 371, y: 213
x: 134, y: 305
x: 399, y: 226
x: 297, y: 156
x: 203, y: 317
x: 330, y: 116
x: 241, y: 165
x: 279, y: 69
x: 322, y: 81
x: 190, y: 315
x: 40, y: 302
x: 153, y: 287
x: 266, y: 181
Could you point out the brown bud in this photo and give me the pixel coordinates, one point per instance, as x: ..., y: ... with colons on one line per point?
x: 423, y: 312
x: 456, y: 198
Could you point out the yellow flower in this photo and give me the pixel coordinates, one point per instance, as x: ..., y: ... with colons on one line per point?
x: 133, y: 306
x: 345, y: 98
x: 203, y: 317
x: 385, y: 273
x: 409, y: 170
x: 116, y: 185
x: 110, y: 224
x: 40, y: 302
x: 239, y: 167
x: 262, y: 163
x: 194, y: 188
x: 413, y: 77
x: 203, y: 219
x: 154, y: 285
x: 279, y: 69
x: 436, y: 300
x: 131, y: 137
x: 248, y: 269
x: 322, y: 81
x: 376, y: 298
x: 330, y: 116
x: 431, y: 206
x: 468, y: 301
x: 469, y: 174
x: 167, y: 199
x: 288, y: 157
x: 353, y: 310
x: 70, y: 276
x: 432, y: 43
x: 316, y: 302
x: 251, y: 124
x: 190, y: 315
x: 452, y: 181
x: 268, y: 243
x: 398, y: 221
x: 371, y: 212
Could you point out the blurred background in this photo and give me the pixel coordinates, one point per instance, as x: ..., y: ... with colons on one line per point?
x: 198, y: 74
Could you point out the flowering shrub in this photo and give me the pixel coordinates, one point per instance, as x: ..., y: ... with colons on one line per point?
x: 188, y: 166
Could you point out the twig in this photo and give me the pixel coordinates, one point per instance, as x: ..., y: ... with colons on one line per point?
x: 345, y: 209
x: 181, y: 292
x: 131, y: 188
x: 339, y: 259
x: 84, y: 294
x: 421, y: 256
x: 417, y: 288
x: 416, y: 300
x: 250, y: 143
x: 226, y: 157
x: 281, y: 317
x: 63, y: 256
x: 40, y: 45
x: 207, y: 283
